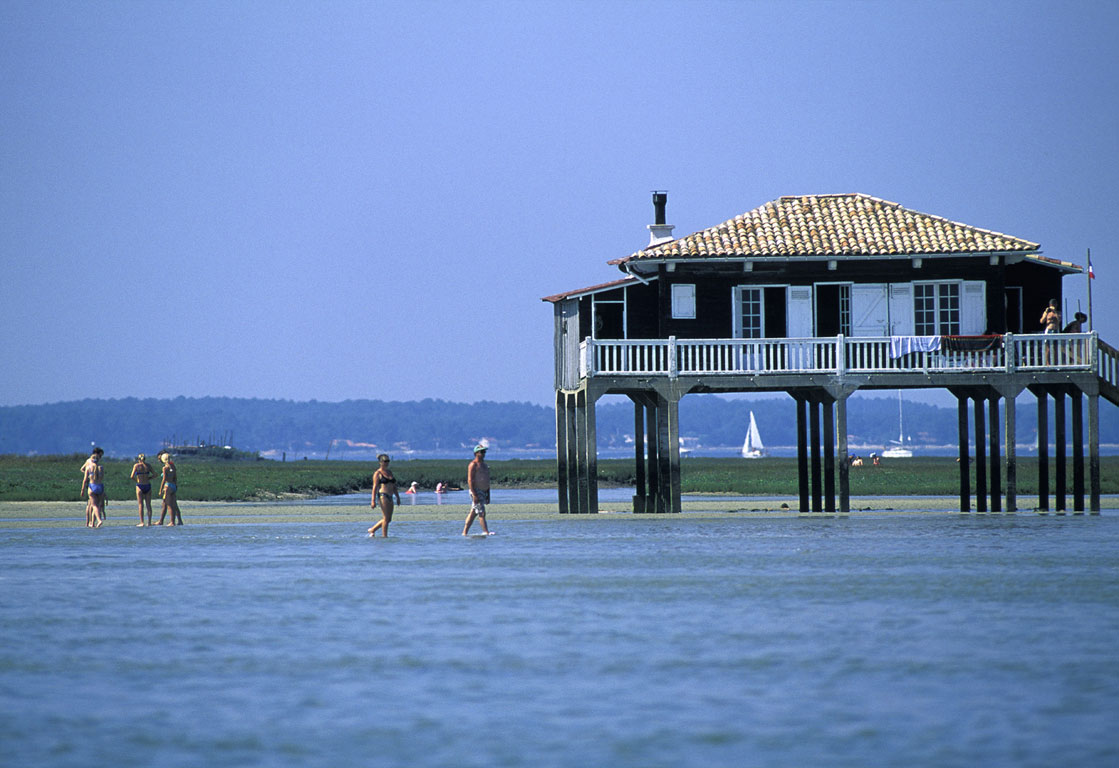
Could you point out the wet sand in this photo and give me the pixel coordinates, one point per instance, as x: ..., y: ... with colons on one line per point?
x: 67, y: 514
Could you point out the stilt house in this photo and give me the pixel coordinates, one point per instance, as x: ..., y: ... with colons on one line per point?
x: 820, y: 296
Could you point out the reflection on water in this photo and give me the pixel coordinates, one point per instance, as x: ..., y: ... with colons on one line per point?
x: 606, y: 495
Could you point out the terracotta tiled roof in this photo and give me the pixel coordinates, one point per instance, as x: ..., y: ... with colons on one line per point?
x: 592, y: 289
x: 833, y: 226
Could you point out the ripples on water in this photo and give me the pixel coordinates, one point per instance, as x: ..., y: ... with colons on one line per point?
x: 868, y: 641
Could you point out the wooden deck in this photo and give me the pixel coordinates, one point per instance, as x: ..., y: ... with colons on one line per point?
x: 847, y: 355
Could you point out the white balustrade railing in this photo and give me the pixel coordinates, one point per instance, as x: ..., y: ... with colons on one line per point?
x: 691, y: 357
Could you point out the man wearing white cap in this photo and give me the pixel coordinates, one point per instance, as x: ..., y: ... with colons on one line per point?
x: 478, y: 480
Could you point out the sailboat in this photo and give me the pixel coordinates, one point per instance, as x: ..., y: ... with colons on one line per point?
x: 752, y: 447
x: 899, y: 451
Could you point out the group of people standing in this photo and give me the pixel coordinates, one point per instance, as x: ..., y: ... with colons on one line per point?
x: 93, y: 487
x: 385, y: 491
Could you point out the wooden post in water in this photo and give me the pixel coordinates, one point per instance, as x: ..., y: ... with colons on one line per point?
x: 996, y: 466
x: 640, y: 490
x: 964, y: 457
x: 563, y: 435
x: 814, y: 436
x: 980, y: 455
x: 1010, y: 430
x: 1042, y: 448
x: 1061, y: 449
x: 1077, y: 448
x: 1094, y: 452
x: 828, y: 406
x: 844, y: 465
x: 802, y: 452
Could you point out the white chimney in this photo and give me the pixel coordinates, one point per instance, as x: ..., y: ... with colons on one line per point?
x: 659, y: 232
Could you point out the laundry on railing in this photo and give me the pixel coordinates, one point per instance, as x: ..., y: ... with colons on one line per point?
x: 901, y: 346
x: 971, y: 343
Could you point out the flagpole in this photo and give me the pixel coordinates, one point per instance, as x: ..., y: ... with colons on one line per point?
x: 1091, y: 325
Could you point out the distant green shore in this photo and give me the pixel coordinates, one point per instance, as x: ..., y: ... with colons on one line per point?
x: 58, y: 478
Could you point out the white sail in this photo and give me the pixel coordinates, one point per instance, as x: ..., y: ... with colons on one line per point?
x: 752, y: 447
x: 899, y: 451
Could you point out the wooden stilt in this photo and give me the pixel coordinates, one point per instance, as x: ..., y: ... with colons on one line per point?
x: 1060, y: 450
x: 1077, y: 402
x: 802, y: 452
x: 996, y: 465
x: 814, y: 447
x: 640, y: 488
x: 844, y: 465
x: 1094, y: 453
x: 964, y: 457
x: 1010, y: 431
x: 674, y: 480
x: 828, y: 406
x: 979, y: 424
x: 1042, y: 448
x: 562, y: 448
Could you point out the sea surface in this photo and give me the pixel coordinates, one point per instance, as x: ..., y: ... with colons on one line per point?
x: 690, y: 640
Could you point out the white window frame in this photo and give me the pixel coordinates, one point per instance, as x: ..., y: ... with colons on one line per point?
x: 939, y: 329
x: 683, y: 301
x: 844, y: 298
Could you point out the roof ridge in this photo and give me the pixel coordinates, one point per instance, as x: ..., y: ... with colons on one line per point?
x: 851, y: 224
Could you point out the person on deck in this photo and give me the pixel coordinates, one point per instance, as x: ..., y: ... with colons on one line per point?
x: 478, y: 481
x: 384, y: 490
x: 142, y: 474
x: 1077, y: 325
x: 1050, y: 323
x: 1051, y: 318
x: 168, y: 489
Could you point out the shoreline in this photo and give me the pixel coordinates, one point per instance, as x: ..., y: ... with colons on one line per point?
x: 71, y: 514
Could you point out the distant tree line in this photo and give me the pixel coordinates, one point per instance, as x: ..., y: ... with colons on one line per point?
x: 130, y: 425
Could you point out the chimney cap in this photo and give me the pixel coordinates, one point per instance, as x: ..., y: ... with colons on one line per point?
x: 659, y: 231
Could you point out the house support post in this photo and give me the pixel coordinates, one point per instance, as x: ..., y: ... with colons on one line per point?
x: 1010, y: 449
x: 576, y: 452
x: 980, y: 454
x: 564, y: 425
x: 1094, y: 452
x: 828, y: 406
x: 640, y: 495
x: 590, y: 454
x: 674, y: 479
x: 814, y: 436
x: 964, y: 458
x: 1042, y: 447
x: 1077, y: 402
x: 802, y: 451
x: 996, y: 465
x: 844, y: 465
x: 1060, y: 454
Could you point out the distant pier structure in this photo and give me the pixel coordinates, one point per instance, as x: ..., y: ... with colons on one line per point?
x: 819, y: 297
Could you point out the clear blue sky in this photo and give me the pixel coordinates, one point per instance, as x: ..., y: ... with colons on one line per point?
x: 333, y: 200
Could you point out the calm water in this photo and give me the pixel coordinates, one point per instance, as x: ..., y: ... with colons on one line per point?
x: 924, y: 640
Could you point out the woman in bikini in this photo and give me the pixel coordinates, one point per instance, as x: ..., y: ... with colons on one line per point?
x: 168, y: 487
x: 142, y: 473
x: 384, y: 489
x: 93, y: 483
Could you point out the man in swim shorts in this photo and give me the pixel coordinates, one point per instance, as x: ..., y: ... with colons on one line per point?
x: 478, y: 480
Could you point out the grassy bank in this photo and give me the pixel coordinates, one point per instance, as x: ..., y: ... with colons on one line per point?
x: 57, y: 478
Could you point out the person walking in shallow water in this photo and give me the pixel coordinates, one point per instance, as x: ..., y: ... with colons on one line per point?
x: 93, y: 484
x: 142, y: 474
x: 168, y: 489
x: 384, y: 490
x: 478, y: 480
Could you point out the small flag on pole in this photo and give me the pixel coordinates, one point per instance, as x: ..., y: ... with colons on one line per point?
x: 1091, y: 272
